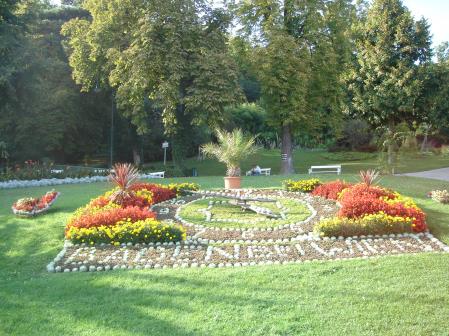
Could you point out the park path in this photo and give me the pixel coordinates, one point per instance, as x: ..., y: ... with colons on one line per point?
x: 437, y: 174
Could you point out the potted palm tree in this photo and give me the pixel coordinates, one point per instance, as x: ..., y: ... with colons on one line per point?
x: 231, y: 149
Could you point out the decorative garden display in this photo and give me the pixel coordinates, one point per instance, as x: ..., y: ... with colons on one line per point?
x: 162, y: 228
x: 29, y: 206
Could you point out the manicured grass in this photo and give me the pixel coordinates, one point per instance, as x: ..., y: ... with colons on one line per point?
x: 351, y: 163
x: 194, y: 213
x: 406, y: 295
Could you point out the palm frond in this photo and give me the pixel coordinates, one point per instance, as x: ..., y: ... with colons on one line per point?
x: 231, y: 149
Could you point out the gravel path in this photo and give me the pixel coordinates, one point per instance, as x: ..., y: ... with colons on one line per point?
x: 436, y: 174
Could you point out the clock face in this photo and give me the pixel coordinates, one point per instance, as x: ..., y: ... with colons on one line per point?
x: 256, y: 215
x: 225, y: 213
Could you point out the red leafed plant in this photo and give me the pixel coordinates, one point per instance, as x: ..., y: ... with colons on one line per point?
x: 160, y: 193
x: 331, y: 190
x: 109, y: 217
x: 124, y: 175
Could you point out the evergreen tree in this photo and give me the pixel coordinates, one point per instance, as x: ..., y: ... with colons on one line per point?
x: 386, y: 82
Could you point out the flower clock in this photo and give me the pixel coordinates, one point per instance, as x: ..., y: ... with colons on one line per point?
x: 29, y: 206
x: 149, y: 226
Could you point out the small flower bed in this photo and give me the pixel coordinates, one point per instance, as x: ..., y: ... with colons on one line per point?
x: 301, y: 185
x: 367, y: 209
x: 440, y: 196
x: 142, y: 231
x: 30, y: 206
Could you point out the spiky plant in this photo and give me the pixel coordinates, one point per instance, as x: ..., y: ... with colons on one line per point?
x: 123, y: 176
x: 231, y: 149
x: 368, y: 177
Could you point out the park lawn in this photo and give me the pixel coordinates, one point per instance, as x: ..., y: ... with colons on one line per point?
x: 304, y: 159
x: 401, y: 295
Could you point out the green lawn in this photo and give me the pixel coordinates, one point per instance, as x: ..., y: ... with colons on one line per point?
x: 405, y: 295
x: 304, y: 159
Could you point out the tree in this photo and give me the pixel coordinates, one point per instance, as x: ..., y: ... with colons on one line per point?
x: 435, y: 103
x: 386, y: 81
x: 172, y: 53
x: 301, y: 51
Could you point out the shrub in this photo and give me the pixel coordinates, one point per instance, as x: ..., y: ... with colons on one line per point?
x: 331, y: 190
x: 142, y: 231
x: 379, y: 223
x: 301, y: 185
x: 180, y: 188
x: 109, y: 215
x: 441, y: 196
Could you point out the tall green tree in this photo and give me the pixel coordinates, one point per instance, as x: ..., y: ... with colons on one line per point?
x: 435, y: 102
x: 12, y: 29
x: 386, y: 82
x: 172, y: 53
x: 301, y: 49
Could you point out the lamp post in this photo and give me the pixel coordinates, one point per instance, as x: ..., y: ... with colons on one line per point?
x: 111, y: 154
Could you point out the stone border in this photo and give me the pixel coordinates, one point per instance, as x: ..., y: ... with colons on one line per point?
x: 84, y: 258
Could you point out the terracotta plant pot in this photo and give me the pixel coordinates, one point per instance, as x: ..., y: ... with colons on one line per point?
x: 232, y: 182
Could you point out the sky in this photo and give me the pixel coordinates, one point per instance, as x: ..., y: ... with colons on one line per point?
x: 435, y: 11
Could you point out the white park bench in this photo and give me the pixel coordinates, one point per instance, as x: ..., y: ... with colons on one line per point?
x: 156, y: 175
x: 56, y: 171
x: 263, y: 171
x: 102, y: 171
x: 325, y: 169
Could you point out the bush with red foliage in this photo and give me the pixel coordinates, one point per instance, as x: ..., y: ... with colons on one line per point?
x: 160, y: 193
x: 109, y: 217
x: 330, y: 190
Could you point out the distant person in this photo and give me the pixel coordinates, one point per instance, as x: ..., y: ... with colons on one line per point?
x: 256, y: 171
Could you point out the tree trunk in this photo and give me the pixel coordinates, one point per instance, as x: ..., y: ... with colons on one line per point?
x: 424, y: 142
x: 391, y: 148
x: 287, y: 151
x: 136, y: 157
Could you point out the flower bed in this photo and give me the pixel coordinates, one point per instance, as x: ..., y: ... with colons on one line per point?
x: 30, y: 206
x: 440, y: 196
x: 369, y: 210
x: 127, y: 218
